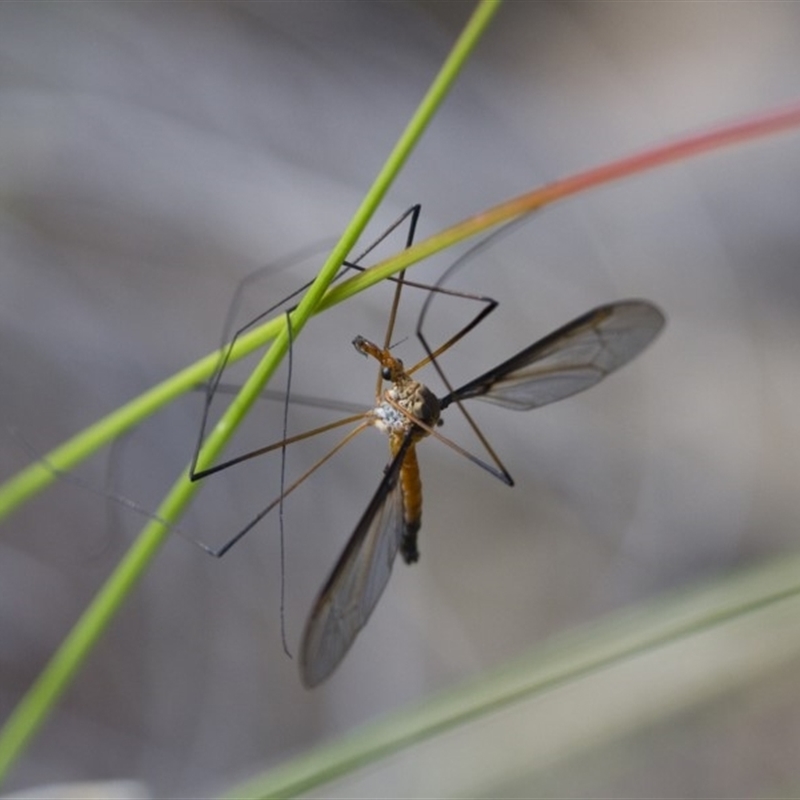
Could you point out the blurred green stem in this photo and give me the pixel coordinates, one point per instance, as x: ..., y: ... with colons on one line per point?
x: 766, y: 597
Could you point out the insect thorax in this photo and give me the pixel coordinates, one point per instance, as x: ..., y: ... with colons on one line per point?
x: 413, y: 397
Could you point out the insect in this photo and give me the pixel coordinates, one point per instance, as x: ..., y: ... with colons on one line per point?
x: 568, y: 361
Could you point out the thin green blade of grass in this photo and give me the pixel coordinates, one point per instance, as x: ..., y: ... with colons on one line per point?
x: 40, y: 698
x: 770, y: 592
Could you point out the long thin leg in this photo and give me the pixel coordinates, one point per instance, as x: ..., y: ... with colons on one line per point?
x: 75, y: 480
x: 387, y: 339
x: 298, y: 437
x: 496, y: 468
x: 219, y: 552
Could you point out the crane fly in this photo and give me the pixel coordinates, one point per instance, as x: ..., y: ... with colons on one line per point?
x: 569, y: 360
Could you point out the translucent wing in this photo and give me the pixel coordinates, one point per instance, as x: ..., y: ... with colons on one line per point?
x: 569, y: 360
x: 357, y: 581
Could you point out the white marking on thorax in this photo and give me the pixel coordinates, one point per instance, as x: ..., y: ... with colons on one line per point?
x: 388, y: 419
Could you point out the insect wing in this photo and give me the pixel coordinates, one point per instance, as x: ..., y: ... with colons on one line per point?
x: 357, y: 581
x: 569, y: 360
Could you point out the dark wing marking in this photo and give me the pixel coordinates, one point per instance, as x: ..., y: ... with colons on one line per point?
x: 569, y: 360
x: 357, y: 581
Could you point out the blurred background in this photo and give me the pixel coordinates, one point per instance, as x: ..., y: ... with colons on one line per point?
x: 154, y: 155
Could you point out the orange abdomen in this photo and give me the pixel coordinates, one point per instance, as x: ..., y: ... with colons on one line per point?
x: 411, y: 486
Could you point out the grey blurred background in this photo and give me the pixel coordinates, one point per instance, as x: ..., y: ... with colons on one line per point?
x: 153, y: 155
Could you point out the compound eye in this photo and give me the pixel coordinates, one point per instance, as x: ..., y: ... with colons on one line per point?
x: 386, y: 373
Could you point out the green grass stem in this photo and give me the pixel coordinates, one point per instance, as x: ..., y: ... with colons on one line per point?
x: 57, y: 675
